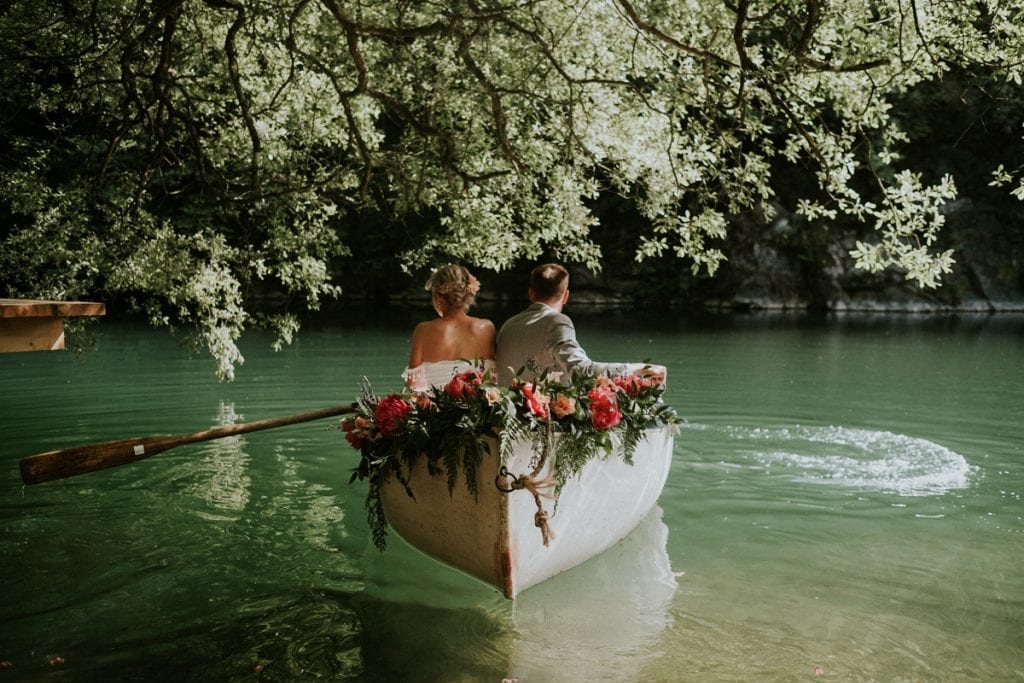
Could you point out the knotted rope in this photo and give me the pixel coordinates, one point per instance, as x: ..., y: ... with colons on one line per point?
x: 537, y: 487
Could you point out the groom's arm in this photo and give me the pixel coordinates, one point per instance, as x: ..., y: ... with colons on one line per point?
x: 568, y: 351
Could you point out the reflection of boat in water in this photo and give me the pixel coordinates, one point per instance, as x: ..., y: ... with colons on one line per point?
x: 509, y: 535
x: 601, y: 621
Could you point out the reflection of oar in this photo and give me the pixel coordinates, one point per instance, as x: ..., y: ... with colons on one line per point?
x: 68, y: 462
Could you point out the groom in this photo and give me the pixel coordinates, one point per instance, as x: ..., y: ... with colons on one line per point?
x: 543, y: 337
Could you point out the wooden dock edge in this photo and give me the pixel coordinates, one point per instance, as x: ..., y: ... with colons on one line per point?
x: 36, y: 325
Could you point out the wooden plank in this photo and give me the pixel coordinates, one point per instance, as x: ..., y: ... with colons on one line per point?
x: 34, y: 308
x: 36, y: 325
x: 31, y: 334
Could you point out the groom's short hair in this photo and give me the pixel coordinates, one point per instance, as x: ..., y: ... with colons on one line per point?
x: 548, y: 281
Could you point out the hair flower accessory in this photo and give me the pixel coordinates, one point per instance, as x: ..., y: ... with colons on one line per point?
x: 473, y: 286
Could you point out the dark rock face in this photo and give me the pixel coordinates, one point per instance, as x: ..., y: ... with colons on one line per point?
x: 789, y: 264
x: 990, y: 255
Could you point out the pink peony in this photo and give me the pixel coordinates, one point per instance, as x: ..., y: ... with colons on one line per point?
x: 390, y: 413
x: 604, y: 409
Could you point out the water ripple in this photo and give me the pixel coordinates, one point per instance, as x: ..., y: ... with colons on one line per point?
x: 859, y: 458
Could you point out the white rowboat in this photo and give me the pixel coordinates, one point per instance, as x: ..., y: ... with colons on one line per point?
x: 495, y: 538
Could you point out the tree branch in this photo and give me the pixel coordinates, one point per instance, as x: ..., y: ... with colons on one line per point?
x: 236, y: 83
x: 497, y: 109
x: 649, y: 28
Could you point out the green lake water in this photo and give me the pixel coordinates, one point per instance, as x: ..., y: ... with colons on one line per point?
x: 844, y: 504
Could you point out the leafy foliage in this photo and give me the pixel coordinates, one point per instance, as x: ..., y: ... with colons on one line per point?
x: 449, y: 425
x: 186, y: 155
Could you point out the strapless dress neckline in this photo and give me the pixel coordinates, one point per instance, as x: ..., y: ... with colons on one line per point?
x: 431, y: 374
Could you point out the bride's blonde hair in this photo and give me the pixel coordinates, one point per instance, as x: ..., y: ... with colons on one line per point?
x: 454, y: 284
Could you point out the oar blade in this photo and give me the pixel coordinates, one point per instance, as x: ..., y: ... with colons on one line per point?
x: 69, y: 462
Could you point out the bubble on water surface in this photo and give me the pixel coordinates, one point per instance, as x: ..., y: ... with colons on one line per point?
x: 859, y: 458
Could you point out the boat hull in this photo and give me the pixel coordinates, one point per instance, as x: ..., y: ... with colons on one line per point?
x: 494, y: 536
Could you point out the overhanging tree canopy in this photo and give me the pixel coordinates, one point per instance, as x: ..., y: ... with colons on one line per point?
x: 179, y: 151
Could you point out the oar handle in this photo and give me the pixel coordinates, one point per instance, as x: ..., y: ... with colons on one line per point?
x: 69, y: 462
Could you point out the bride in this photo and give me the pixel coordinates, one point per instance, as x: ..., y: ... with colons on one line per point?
x: 455, y: 341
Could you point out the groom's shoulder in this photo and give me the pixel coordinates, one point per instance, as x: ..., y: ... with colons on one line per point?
x: 512, y: 319
x: 528, y: 315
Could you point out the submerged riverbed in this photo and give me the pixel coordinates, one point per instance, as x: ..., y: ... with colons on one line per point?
x: 844, y: 504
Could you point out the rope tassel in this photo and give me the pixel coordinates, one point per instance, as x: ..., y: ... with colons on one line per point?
x: 540, y: 520
x: 539, y: 488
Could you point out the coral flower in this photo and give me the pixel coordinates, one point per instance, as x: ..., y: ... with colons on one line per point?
x: 563, y: 406
x: 633, y: 385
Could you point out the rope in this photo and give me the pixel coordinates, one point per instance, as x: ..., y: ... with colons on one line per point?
x: 538, y: 487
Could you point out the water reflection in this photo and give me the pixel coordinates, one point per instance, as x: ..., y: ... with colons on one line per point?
x: 222, y: 474
x: 222, y: 478
x: 311, y: 508
x: 602, y: 620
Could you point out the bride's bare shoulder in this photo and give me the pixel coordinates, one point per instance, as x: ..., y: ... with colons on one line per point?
x: 483, y: 323
x: 428, y: 325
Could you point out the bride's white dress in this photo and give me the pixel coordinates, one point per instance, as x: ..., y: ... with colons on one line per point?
x: 439, y: 373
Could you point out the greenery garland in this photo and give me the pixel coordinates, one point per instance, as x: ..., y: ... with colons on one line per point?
x: 448, y: 426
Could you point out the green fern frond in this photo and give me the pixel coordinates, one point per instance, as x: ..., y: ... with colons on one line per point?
x: 630, y: 438
x: 472, y: 455
x: 452, y: 456
x: 375, y: 516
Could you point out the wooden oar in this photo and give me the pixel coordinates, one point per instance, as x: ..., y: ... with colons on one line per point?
x: 68, y: 462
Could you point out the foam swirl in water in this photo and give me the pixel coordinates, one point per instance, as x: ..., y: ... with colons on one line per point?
x: 859, y: 458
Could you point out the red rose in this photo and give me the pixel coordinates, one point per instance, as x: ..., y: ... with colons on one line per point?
x: 604, y: 409
x: 464, y: 384
x: 390, y: 413
x: 537, y: 404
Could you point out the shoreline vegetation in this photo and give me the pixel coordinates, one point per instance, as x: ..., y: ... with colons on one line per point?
x: 703, y: 154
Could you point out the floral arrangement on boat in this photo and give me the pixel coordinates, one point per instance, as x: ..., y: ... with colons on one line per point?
x: 449, y: 426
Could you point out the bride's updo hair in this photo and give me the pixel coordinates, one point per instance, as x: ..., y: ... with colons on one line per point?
x: 455, y: 285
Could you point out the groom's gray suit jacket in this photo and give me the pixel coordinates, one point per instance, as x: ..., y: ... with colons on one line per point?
x: 547, y: 338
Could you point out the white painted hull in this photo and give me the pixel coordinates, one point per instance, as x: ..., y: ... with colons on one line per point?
x: 494, y: 537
